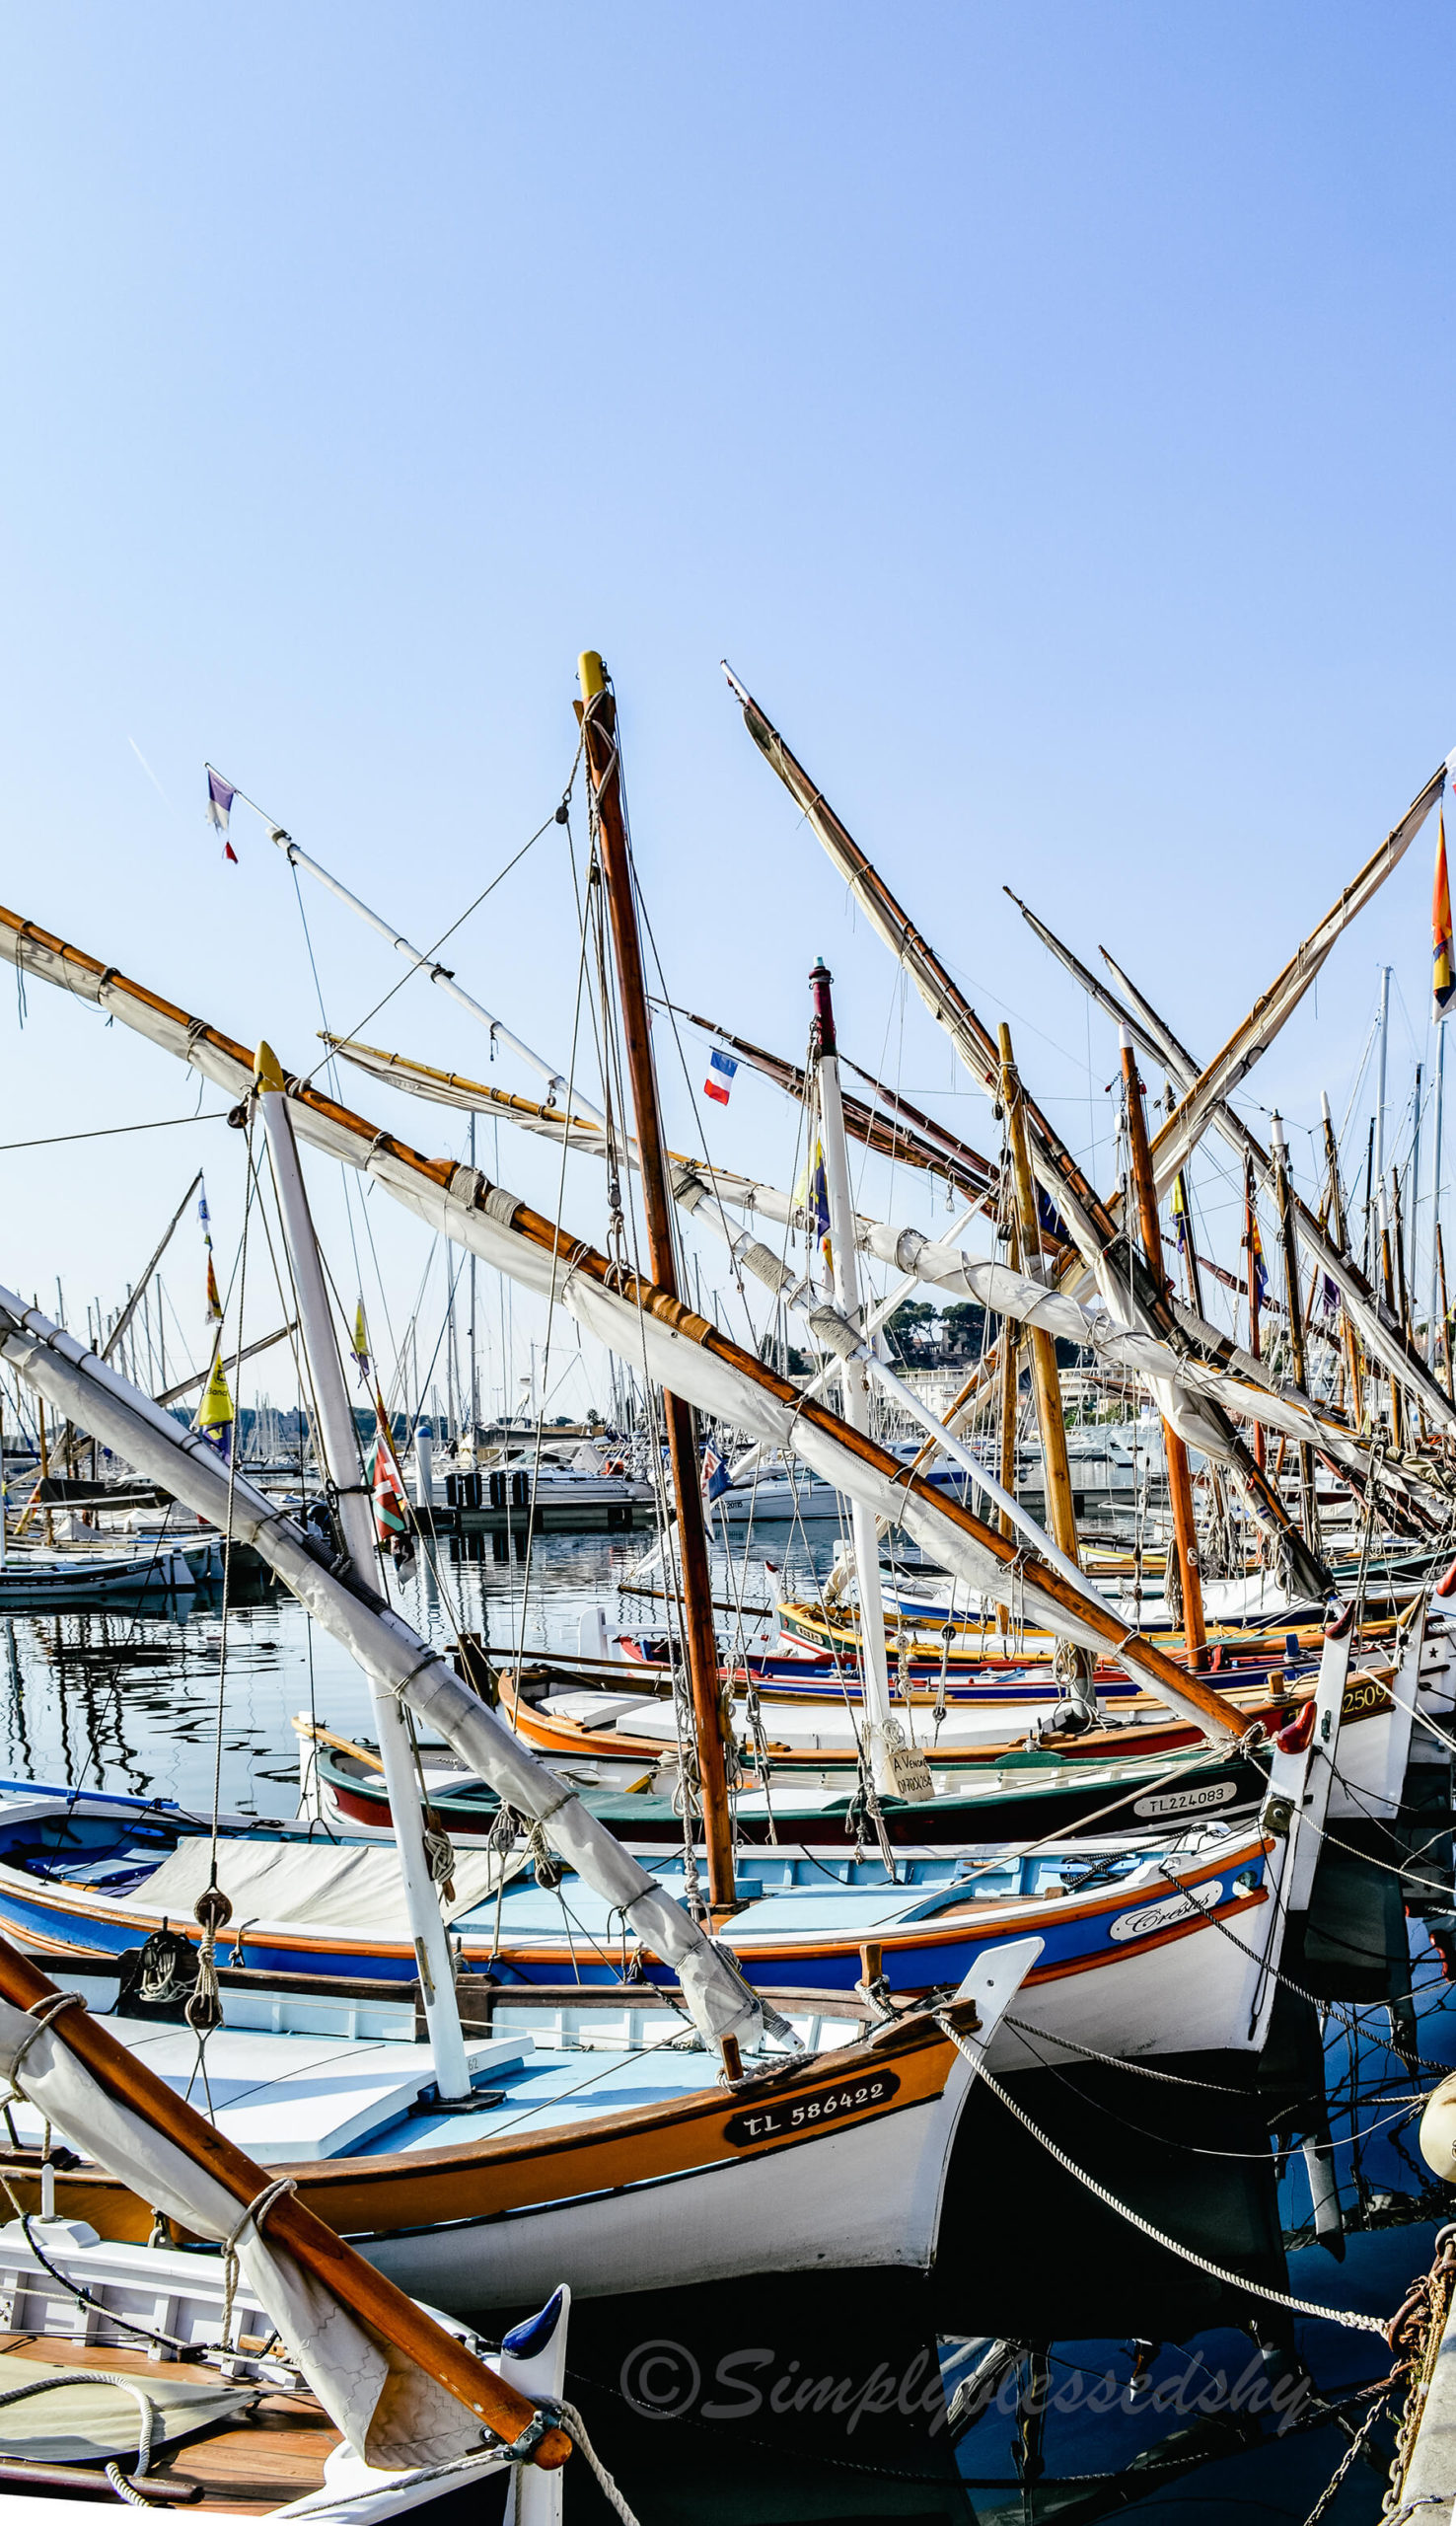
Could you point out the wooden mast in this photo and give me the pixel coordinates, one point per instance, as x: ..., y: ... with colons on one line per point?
x: 1387, y: 1274
x: 1180, y: 1480
x: 1007, y: 1396
x: 604, y: 766
x: 1340, y: 1232
x: 1183, y: 1212
x: 1251, y: 1248
x: 894, y: 1765
x: 1059, y: 1506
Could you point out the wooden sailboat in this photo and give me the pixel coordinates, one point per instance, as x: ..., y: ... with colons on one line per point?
x: 702, y: 2181
x: 423, y: 2416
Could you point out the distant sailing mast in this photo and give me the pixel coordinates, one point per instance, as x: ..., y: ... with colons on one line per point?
x: 1298, y: 1366
x: 1059, y: 1505
x: 604, y: 766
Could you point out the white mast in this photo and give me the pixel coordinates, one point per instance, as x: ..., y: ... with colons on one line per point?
x: 1436, y: 1188
x: 1413, y: 1271
x: 338, y: 1444
x: 908, y: 1778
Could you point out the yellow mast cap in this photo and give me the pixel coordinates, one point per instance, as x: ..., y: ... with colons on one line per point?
x: 592, y: 673
x: 267, y: 1071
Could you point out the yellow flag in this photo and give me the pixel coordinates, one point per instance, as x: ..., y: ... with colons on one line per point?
x: 216, y: 1406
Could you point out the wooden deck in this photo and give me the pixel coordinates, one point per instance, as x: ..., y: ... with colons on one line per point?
x: 273, y: 2455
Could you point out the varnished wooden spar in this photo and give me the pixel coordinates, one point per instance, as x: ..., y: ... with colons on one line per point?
x: 347, y: 1135
x: 1096, y: 1225
x: 1218, y: 1079
x: 290, y: 2223
x: 1355, y: 1410
x: 604, y: 764
x: 1331, y: 1251
x: 1180, y: 1482
x: 977, y: 1046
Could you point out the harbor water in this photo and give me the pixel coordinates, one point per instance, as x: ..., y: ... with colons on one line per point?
x: 1060, y: 2363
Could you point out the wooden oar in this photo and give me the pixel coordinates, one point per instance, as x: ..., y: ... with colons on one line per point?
x: 353, y: 2281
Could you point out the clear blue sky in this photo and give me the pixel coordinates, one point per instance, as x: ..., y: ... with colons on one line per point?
x: 1047, y: 408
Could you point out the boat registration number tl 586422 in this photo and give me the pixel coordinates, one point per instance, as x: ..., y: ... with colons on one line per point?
x: 790, y: 2114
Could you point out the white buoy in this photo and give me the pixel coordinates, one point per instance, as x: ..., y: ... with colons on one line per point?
x: 1438, y: 2131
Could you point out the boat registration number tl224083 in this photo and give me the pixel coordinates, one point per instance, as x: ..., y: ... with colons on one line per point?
x: 786, y: 2114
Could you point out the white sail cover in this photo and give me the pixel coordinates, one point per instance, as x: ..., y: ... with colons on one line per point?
x: 392, y: 2414
x: 329, y: 1885
x: 1377, y: 1330
x: 550, y: 1122
x: 935, y: 987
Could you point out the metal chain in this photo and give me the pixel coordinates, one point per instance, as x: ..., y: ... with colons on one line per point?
x: 1421, y: 2320
x: 1355, y: 2448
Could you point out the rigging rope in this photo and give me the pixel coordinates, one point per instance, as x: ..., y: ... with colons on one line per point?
x: 1348, y: 2317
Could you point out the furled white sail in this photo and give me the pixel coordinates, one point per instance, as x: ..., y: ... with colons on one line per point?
x: 551, y: 1122
x: 1378, y: 1331
x: 946, y: 1005
x: 1242, y: 1388
x: 1381, y: 1335
x: 643, y: 1325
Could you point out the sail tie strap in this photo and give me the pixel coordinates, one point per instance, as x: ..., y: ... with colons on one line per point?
x: 256, y: 2213
x: 42, y: 2012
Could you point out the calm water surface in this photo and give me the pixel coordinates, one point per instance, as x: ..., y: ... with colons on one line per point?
x: 801, y: 2399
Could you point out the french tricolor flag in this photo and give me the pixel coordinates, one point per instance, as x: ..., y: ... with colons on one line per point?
x: 722, y: 1071
x: 220, y: 796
